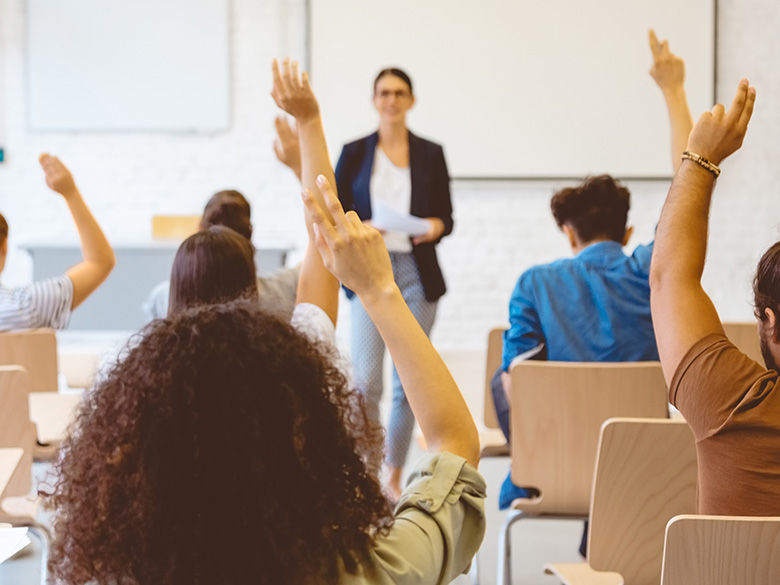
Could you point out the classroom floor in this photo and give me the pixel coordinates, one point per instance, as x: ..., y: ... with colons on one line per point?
x: 535, y: 542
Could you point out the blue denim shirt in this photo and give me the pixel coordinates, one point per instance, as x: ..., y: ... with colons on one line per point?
x: 594, y: 307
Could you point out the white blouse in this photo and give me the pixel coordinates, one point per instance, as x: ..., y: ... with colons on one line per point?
x: 392, y: 186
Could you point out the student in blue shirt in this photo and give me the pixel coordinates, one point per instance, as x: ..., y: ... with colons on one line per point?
x: 596, y: 305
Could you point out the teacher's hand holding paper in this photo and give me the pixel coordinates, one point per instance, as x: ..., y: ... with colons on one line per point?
x: 388, y: 219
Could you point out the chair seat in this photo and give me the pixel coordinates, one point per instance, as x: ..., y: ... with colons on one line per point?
x: 19, y: 510
x: 52, y: 412
x: 582, y: 574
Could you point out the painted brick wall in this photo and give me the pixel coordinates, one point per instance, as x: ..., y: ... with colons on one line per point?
x: 501, y: 227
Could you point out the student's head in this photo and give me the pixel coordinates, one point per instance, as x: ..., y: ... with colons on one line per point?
x: 229, y: 208
x: 224, y: 448
x: 212, y: 266
x: 393, y: 95
x: 766, y: 297
x: 3, y: 241
x: 595, y: 210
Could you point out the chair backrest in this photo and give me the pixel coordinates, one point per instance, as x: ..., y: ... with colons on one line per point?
x: 557, y: 411
x: 16, y: 428
x: 174, y: 227
x: 495, y: 348
x: 722, y: 550
x: 36, y: 351
x: 645, y: 474
x: 745, y: 337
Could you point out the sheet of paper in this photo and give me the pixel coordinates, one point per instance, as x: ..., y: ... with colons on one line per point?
x: 12, y: 540
x: 385, y: 218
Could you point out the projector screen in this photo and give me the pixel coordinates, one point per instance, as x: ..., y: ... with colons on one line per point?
x: 516, y: 89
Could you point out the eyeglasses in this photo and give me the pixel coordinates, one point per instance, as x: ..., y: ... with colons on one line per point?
x: 398, y: 93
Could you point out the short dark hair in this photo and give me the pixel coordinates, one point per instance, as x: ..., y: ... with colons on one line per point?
x: 3, y: 229
x: 766, y: 285
x: 218, y: 406
x: 229, y: 208
x: 597, y: 208
x: 399, y: 73
x: 212, y: 266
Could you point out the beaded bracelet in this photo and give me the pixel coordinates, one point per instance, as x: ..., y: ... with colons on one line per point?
x: 702, y: 162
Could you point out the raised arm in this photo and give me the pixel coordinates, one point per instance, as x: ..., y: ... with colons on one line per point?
x: 294, y: 95
x: 668, y: 70
x: 98, y: 257
x: 682, y: 312
x: 356, y: 254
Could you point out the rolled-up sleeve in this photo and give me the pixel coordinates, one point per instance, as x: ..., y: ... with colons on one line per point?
x: 439, y: 525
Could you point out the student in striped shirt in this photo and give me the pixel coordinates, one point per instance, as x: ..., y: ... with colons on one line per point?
x: 48, y: 303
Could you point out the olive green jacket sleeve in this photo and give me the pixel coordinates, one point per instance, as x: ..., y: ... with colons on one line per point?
x: 439, y: 525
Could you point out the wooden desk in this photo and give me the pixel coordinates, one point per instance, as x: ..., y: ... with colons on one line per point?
x: 52, y: 412
x: 9, y: 459
x: 116, y: 305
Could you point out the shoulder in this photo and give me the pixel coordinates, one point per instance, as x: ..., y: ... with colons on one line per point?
x: 425, y: 145
x: 360, y: 144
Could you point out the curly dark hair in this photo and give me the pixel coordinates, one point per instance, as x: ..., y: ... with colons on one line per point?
x: 229, y: 208
x: 225, y: 447
x: 597, y: 208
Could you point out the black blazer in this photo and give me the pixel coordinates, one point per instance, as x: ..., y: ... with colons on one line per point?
x: 430, y: 196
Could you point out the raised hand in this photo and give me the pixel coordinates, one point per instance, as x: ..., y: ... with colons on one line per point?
x: 668, y: 69
x: 353, y: 252
x: 58, y: 177
x: 286, y: 146
x: 292, y: 91
x: 719, y: 133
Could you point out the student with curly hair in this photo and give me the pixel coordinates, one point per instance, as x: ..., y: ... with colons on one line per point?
x: 226, y: 447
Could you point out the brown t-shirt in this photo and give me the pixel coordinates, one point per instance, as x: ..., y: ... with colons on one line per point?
x: 732, y: 404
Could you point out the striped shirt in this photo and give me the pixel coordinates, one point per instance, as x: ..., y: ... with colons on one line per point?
x: 45, y: 303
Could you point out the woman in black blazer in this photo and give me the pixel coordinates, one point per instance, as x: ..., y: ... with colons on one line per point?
x: 409, y: 175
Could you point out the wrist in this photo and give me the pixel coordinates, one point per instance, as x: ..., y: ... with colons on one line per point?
x: 377, y: 297
x: 689, y: 165
x: 70, y: 193
x: 307, y: 120
x: 702, y: 160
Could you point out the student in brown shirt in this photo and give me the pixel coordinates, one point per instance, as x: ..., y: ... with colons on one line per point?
x: 731, y: 403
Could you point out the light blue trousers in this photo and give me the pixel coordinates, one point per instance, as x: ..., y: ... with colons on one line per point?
x: 368, y: 352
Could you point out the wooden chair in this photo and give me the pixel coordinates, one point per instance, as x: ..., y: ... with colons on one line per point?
x: 36, y: 351
x: 745, y: 337
x: 495, y: 346
x: 174, y: 227
x: 17, y: 432
x: 555, y: 432
x: 722, y: 550
x: 645, y: 474
x: 16, y: 428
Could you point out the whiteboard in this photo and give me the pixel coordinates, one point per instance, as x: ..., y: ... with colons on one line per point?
x: 114, y: 65
x: 551, y: 88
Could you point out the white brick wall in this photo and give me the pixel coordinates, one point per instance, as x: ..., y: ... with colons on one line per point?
x: 501, y: 227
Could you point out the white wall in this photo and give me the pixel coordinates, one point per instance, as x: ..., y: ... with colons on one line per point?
x: 501, y: 228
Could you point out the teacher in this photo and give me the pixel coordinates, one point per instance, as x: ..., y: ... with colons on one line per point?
x: 407, y: 174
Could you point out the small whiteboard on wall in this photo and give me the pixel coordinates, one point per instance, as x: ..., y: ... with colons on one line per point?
x: 117, y: 65
x: 516, y: 88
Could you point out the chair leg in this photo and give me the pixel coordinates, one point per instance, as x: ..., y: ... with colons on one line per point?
x: 41, y: 533
x: 504, y: 568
